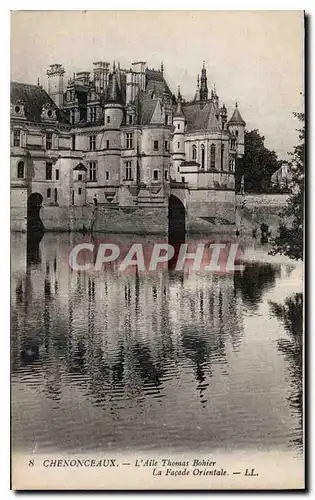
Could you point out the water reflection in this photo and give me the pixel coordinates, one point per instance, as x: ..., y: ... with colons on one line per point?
x: 162, y: 351
x: 291, y: 314
x: 256, y: 279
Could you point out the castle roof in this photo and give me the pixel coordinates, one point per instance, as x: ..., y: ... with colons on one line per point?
x: 147, y: 108
x: 236, y: 117
x: 114, y: 93
x: 155, y: 81
x: 34, y: 98
x: 200, y: 117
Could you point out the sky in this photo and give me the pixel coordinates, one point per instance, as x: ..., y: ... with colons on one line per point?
x: 253, y: 57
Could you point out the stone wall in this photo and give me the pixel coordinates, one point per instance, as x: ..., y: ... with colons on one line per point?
x: 115, y: 220
x: 214, y: 212
x: 255, y: 209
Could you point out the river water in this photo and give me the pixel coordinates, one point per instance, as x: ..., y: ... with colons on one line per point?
x: 154, y: 360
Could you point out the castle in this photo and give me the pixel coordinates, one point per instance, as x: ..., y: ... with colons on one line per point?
x: 121, y: 141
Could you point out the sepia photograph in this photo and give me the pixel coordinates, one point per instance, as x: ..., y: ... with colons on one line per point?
x: 157, y: 164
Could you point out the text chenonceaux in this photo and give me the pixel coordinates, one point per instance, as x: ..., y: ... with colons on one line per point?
x: 219, y: 256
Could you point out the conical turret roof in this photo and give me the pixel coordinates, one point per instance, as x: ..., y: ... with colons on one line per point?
x: 113, y: 91
x: 236, y: 117
x: 179, y: 111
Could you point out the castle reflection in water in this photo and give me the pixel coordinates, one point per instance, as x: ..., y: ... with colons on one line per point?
x: 124, y: 338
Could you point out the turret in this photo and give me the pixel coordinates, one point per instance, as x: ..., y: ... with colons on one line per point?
x: 55, y: 83
x: 113, y: 103
x: 223, y: 116
x: 111, y: 140
x: 203, y: 84
x: 236, y: 126
x: 197, y: 94
x: 178, y: 138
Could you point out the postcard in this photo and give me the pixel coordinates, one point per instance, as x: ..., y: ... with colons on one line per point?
x: 157, y: 241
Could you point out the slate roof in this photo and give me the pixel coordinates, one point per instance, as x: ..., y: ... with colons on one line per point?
x: 147, y: 108
x: 34, y: 97
x: 236, y: 118
x: 114, y: 93
x: 198, y: 118
x: 155, y: 81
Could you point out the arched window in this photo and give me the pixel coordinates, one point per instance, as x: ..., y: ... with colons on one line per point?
x: 212, y: 156
x: 20, y: 170
x: 56, y: 195
x: 222, y: 156
x: 48, y: 193
x: 194, y: 152
x: 202, y: 156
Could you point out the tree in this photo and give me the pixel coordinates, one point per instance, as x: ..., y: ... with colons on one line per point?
x: 257, y: 165
x: 291, y: 232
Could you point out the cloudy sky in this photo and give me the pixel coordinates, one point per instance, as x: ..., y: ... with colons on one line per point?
x: 253, y: 57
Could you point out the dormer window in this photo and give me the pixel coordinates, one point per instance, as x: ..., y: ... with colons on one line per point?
x: 130, y: 119
x: 17, y: 109
x: 48, y: 112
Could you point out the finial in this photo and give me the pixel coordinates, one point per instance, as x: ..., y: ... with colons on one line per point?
x: 118, y: 66
x: 162, y: 67
x: 38, y: 84
x: 114, y: 67
x: 236, y: 104
x: 198, y: 81
x: 203, y: 65
x: 178, y: 92
x: 73, y: 76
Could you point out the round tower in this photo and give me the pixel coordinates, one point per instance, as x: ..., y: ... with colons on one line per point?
x: 111, y: 143
x: 236, y: 126
x: 178, y: 139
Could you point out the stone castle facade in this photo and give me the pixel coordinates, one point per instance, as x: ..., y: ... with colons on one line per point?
x: 121, y: 140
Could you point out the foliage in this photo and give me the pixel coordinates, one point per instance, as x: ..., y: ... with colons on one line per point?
x: 290, y: 239
x: 258, y: 164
